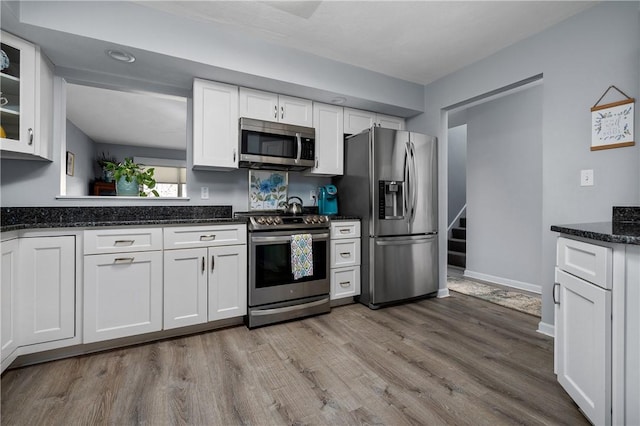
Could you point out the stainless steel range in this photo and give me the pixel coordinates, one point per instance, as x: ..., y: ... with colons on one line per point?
x: 274, y: 294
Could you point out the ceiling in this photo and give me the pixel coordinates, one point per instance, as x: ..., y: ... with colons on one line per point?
x: 418, y: 41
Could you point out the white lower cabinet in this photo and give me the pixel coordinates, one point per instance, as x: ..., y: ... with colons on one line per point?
x: 345, y: 259
x: 227, y: 282
x: 185, y: 287
x: 205, y: 274
x: 8, y: 301
x: 122, y: 289
x: 47, y: 289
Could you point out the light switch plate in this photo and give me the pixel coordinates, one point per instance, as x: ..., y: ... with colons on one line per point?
x: 586, y: 177
x: 204, y: 192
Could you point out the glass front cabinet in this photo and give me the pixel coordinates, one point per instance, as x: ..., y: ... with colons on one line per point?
x: 26, y: 100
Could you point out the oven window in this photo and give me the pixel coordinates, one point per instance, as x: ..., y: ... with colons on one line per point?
x: 256, y: 143
x: 273, y: 264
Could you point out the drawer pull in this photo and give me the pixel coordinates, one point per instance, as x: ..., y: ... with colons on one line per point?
x: 555, y: 301
x: 345, y: 283
x: 345, y: 231
x: 121, y: 260
x: 207, y: 237
x: 121, y: 243
x: 346, y: 254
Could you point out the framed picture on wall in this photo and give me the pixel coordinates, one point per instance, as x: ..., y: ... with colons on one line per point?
x: 71, y: 162
x: 612, y: 123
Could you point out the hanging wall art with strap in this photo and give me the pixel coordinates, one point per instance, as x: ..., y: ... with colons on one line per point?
x: 612, y: 124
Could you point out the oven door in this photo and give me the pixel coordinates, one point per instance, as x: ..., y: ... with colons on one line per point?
x: 270, y: 274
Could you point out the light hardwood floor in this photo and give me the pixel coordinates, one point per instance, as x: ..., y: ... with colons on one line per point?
x: 457, y: 360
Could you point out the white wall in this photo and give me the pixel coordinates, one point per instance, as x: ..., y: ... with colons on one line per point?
x: 579, y: 58
x: 457, y: 171
x: 84, y: 150
x: 504, y: 189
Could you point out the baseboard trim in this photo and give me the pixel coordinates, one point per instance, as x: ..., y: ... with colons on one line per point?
x: 443, y: 292
x: 548, y: 329
x: 503, y: 281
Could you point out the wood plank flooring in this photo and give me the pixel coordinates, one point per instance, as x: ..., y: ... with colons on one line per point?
x: 457, y: 360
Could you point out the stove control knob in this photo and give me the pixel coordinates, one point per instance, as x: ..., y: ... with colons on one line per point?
x: 278, y: 220
x: 323, y: 219
x: 261, y: 220
x: 269, y: 220
x: 316, y: 219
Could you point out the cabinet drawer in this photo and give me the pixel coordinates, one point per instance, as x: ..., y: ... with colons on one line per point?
x: 587, y: 261
x: 204, y: 236
x: 122, y: 240
x: 345, y: 282
x: 345, y: 230
x: 345, y: 252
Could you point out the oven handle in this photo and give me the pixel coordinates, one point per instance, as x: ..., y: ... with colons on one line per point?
x: 285, y: 238
x: 272, y: 311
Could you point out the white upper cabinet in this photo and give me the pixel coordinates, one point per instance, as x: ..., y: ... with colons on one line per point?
x: 26, y: 110
x: 215, y: 125
x: 329, y: 124
x: 356, y: 120
x: 273, y: 107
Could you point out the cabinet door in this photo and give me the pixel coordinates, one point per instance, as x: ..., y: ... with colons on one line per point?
x: 259, y: 105
x: 583, y: 345
x: 215, y: 125
x: 389, y: 122
x: 227, y: 282
x: 47, y: 289
x: 122, y: 295
x: 185, y: 287
x: 295, y: 111
x: 329, y: 124
x: 356, y: 120
x: 9, y: 288
x: 18, y: 88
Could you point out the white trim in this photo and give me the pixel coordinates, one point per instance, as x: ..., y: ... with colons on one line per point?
x: 458, y: 216
x: 443, y: 292
x: 503, y: 281
x: 547, y: 329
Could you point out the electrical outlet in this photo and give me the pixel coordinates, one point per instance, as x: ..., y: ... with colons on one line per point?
x: 312, y: 195
x: 586, y: 177
x: 204, y: 192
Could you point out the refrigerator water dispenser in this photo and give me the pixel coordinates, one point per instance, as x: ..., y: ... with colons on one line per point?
x: 390, y: 199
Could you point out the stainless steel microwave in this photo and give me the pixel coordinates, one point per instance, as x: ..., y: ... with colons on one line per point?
x: 276, y: 146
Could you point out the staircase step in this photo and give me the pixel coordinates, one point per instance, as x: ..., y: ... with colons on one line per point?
x: 459, y: 233
x: 457, y: 244
x: 457, y: 259
x: 463, y: 222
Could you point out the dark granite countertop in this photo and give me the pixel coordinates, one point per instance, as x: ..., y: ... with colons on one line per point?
x: 19, y: 218
x: 624, y: 228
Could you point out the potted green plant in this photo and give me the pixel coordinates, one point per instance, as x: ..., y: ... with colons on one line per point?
x: 131, y: 178
x: 102, y: 161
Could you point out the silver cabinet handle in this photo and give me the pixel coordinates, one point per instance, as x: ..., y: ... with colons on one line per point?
x: 120, y: 243
x: 345, y: 283
x: 347, y: 254
x: 30, y: 136
x: 208, y: 237
x: 555, y: 301
x: 213, y: 263
x: 203, y: 267
x: 316, y: 162
x: 120, y: 260
x: 275, y: 111
x: 345, y: 231
x: 234, y: 155
x: 281, y: 112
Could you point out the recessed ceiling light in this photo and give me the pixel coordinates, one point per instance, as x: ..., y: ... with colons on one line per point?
x: 338, y: 100
x: 120, y: 55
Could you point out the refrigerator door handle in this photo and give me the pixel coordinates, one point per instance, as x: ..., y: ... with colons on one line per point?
x: 414, y: 187
x: 408, y: 208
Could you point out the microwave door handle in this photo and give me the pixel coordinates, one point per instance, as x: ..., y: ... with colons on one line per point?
x: 299, y: 139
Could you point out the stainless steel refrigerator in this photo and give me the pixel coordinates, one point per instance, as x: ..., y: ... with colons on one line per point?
x: 390, y: 182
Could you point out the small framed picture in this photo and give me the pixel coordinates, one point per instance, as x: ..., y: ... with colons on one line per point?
x: 71, y: 162
x: 267, y: 189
